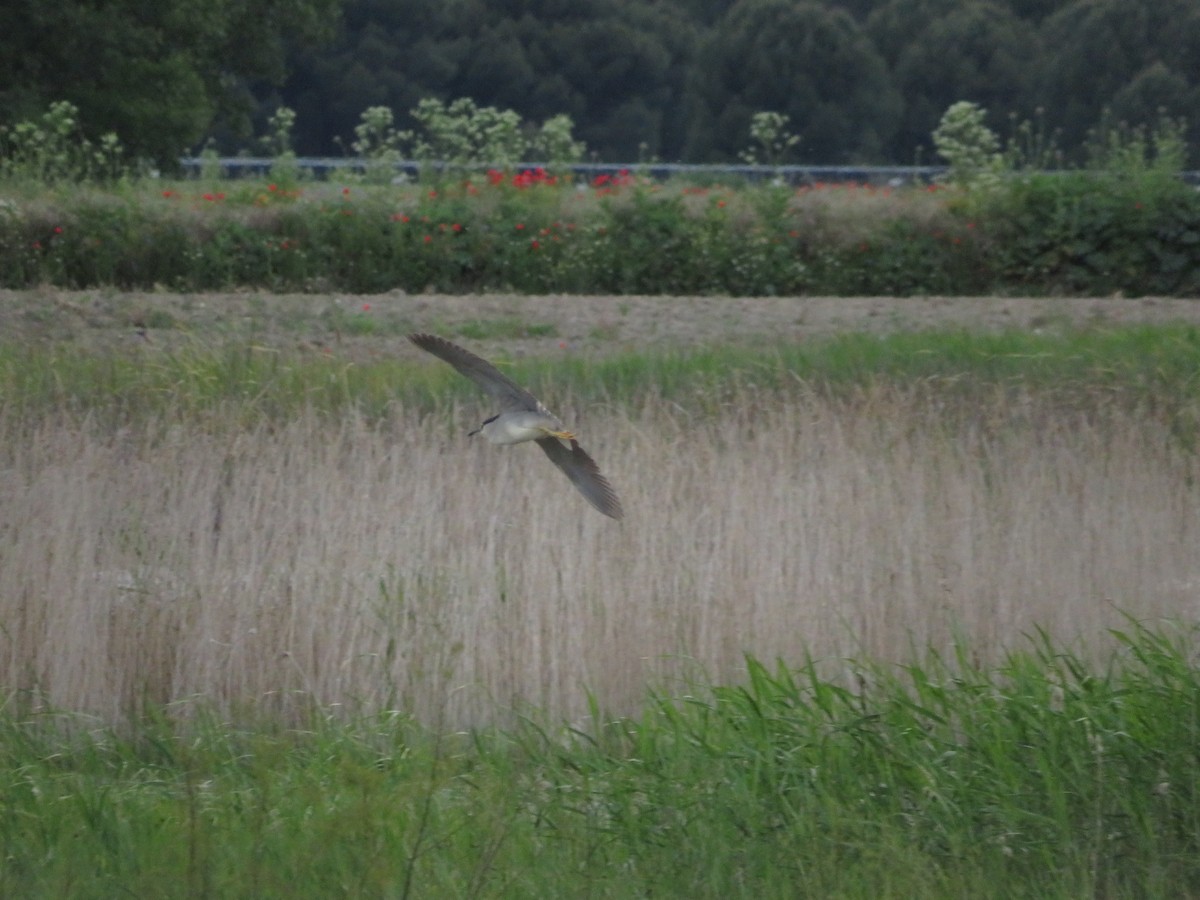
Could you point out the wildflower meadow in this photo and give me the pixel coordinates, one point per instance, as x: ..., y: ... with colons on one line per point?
x: 531, y: 231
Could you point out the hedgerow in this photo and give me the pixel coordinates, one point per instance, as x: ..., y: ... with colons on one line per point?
x: 997, y: 223
x: 530, y: 231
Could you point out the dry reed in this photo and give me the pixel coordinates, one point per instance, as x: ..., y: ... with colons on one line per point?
x: 276, y: 567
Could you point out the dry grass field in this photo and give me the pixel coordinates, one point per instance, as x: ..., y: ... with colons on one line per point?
x: 400, y: 565
x: 904, y: 601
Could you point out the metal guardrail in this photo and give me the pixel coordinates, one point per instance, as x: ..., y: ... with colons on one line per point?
x: 325, y: 167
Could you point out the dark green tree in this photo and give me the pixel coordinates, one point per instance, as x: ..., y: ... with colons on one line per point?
x: 1034, y: 11
x: 703, y: 13
x: 894, y: 25
x: 617, y: 67
x: 1102, y: 54
x: 498, y: 68
x: 1153, y: 91
x: 390, y: 54
x: 979, y: 52
x: 157, y: 74
x: 628, y: 69
x: 805, y: 60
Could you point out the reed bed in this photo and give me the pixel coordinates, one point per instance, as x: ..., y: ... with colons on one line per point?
x: 335, y: 562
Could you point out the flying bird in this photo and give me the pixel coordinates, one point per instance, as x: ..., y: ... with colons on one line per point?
x: 523, y: 418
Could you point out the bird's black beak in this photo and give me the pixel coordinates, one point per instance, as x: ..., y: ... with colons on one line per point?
x: 485, y: 422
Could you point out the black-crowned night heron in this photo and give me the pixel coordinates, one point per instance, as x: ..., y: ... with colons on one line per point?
x: 523, y: 418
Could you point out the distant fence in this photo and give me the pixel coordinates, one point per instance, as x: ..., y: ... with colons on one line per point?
x: 327, y: 167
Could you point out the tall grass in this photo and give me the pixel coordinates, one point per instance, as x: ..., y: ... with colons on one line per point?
x: 1043, y: 774
x: 317, y: 561
x: 271, y: 624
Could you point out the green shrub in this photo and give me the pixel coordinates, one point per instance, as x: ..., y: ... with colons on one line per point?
x: 536, y: 232
x: 1127, y: 223
x: 54, y: 150
x: 969, y: 146
x: 1086, y: 233
x: 772, y: 142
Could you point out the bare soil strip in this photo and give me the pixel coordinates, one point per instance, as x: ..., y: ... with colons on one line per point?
x: 368, y: 326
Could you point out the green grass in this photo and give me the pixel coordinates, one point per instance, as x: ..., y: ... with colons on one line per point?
x: 1155, y: 365
x: 1042, y: 776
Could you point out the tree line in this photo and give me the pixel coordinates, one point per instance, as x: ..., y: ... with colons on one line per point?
x: 861, y: 81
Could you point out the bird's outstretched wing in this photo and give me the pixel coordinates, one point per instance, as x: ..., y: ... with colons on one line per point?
x: 584, y: 474
x: 574, y: 462
x: 491, y: 380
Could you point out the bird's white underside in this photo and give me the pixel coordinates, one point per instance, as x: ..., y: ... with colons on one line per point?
x: 517, y: 427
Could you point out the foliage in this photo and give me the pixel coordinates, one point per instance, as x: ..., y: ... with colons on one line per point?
x: 533, y: 231
x: 1137, y: 60
x: 1128, y: 224
x: 211, y: 170
x: 809, y: 61
x: 462, y: 133
x: 278, y: 142
x: 1031, y: 146
x: 55, y: 150
x: 971, y: 148
x: 939, y: 52
x: 158, y: 76
x: 1046, y: 775
x: 861, y: 81
x: 554, y: 142
x: 529, y: 231
x: 1082, y: 233
x: 769, y: 131
x: 379, y: 144
x: 1153, y: 150
x: 278, y: 139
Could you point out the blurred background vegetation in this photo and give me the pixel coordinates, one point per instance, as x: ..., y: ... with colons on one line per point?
x: 863, y: 81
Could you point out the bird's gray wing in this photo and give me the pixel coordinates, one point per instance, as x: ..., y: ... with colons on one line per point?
x: 584, y: 474
x: 494, y: 383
